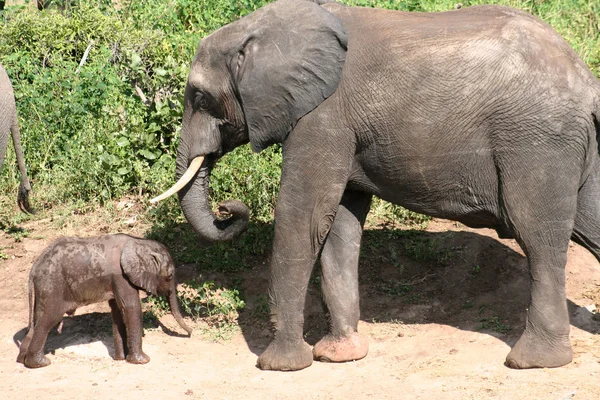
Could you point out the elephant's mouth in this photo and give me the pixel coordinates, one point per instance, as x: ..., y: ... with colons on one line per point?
x: 187, y: 176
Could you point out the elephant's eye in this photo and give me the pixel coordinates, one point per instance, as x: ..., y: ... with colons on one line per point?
x: 202, y: 101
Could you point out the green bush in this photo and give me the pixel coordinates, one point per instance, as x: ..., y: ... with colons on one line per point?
x: 218, y: 306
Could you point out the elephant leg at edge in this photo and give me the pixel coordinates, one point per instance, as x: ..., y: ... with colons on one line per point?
x: 339, y: 265
x: 543, y: 225
x: 587, y: 222
x: 119, y: 331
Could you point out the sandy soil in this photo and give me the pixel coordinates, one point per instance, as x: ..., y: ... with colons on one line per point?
x: 440, y: 317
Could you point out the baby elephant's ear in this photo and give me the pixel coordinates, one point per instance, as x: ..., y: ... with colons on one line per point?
x: 140, y: 265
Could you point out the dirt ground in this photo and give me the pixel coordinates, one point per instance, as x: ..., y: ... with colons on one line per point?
x: 440, y: 308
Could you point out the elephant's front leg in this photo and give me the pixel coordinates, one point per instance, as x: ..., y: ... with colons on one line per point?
x: 339, y: 265
x: 312, y: 186
x: 119, y: 331
x: 128, y: 301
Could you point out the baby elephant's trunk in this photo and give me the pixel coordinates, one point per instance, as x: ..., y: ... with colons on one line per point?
x: 176, y: 313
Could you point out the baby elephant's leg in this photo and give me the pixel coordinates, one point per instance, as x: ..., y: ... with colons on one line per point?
x: 25, y: 346
x: 119, y: 332
x: 44, y: 321
x: 128, y: 301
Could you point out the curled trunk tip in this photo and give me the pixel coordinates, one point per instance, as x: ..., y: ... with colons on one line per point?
x: 232, y: 216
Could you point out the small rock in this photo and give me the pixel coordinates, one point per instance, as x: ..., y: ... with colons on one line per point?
x: 131, y: 221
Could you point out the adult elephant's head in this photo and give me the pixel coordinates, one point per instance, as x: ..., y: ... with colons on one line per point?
x: 251, y: 81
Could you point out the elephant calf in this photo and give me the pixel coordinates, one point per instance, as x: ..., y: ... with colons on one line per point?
x: 74, y: 272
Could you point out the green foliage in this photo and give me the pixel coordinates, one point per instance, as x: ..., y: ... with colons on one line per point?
x: 262, y: 308
x: 494, y: 323
x: 17, y: 233
x: 156, y: 306
x: 384, y: 213
x: 217, y: 306
x: 3, y: 255
x: 426, y: 249
x: 196, y: 17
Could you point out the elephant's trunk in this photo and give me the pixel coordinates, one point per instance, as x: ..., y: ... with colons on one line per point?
x: 176, y: 313
x: 198, y: 150
x: 195, y: 203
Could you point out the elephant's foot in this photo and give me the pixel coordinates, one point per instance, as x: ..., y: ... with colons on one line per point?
x: 137, y: 358
x: 537, y: 352
x: 119, y: 356
x: 341, y: 349
x: 32, y: 361
x: 21, y: 357
x: 285, y: 356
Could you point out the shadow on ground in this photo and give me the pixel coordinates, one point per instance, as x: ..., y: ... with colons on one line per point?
x: 85, y: 329
x: 462, y: 279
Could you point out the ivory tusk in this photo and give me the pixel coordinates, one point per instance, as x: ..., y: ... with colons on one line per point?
x: 185, y: 178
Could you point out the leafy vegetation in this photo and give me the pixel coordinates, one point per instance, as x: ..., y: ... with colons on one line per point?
x: 494, y: 323
x: 215, y: 307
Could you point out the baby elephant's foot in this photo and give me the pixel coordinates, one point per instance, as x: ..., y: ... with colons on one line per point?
x: 341, y: 349
x: 138, y: 358
x: 32, y: 361
x: 21, y: 358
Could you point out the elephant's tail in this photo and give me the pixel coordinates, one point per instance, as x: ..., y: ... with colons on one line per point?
x: 25, y: 186
x: 31, y: 292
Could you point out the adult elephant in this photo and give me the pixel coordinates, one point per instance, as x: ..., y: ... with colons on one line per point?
x: 482, y: 115
x: 9, y: 122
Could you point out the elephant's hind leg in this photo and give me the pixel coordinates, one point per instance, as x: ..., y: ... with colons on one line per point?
x: 44, y: 321
x: 339, y: 264
x: 24, y: 346
x: 540, y: 207
x: 587, y: 221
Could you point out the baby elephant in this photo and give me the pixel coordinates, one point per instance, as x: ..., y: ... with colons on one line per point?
x: 74, y: 272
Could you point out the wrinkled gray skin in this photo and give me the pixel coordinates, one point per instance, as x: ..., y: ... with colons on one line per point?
x: 9, y: 122
x: 73, y: 272
x: 482, y: 115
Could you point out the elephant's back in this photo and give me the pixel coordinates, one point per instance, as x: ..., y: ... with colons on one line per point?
x: 456, y: 47
x: 447, y: 81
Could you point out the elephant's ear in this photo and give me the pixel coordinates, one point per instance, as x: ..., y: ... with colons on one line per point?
x: 290, y: 62
x: 140, y: 265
